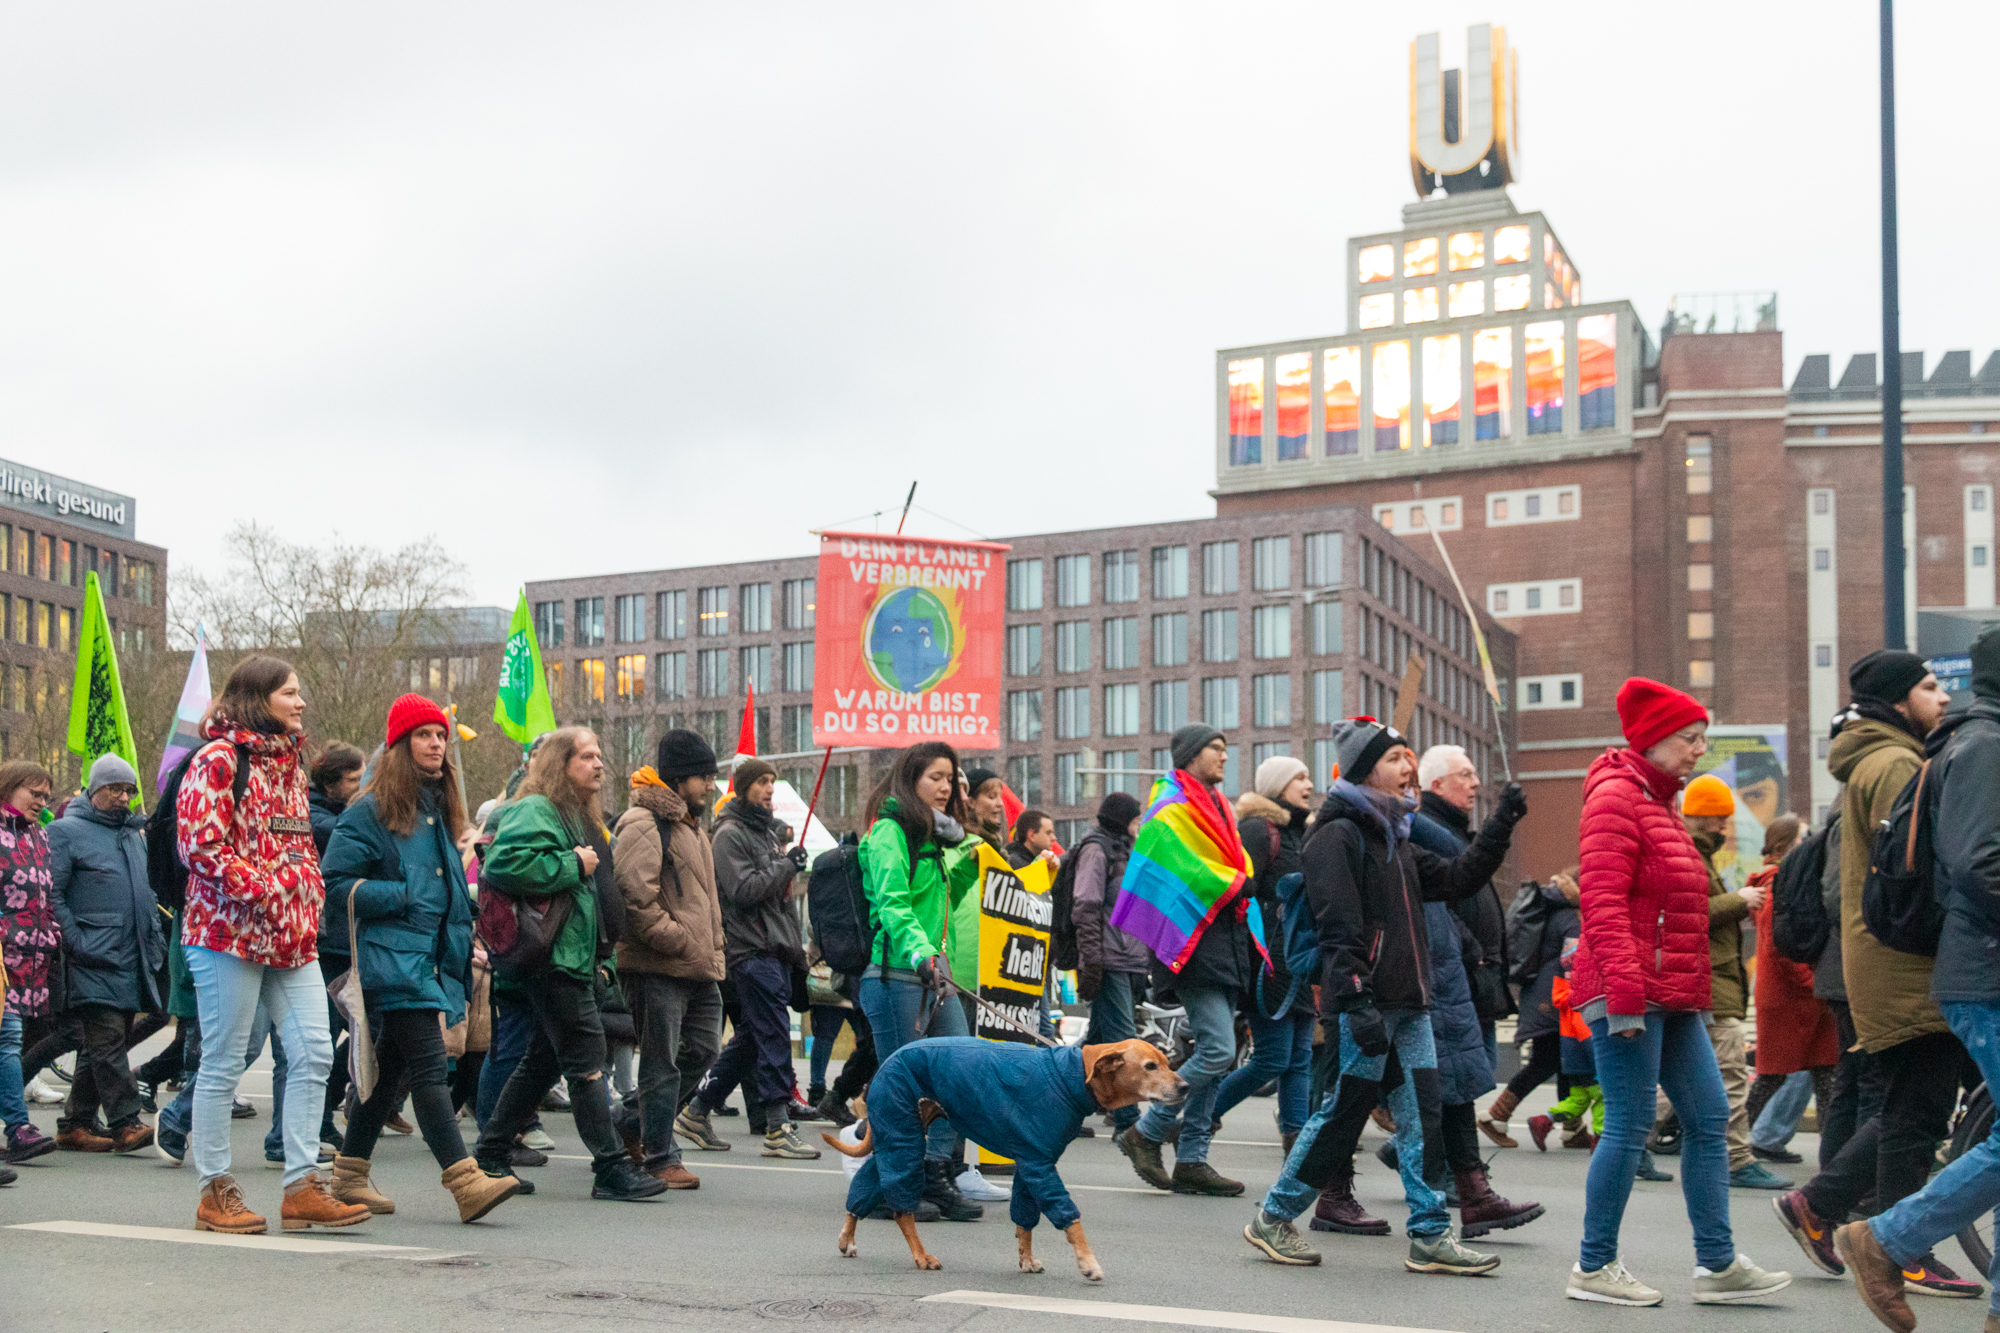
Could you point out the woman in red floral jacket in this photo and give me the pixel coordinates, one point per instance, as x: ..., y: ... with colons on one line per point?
x: 30, y: 942
x: 1641, y: 981
x: 253, y: 905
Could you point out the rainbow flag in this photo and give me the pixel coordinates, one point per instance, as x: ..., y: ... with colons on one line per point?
x: 1187, y: 867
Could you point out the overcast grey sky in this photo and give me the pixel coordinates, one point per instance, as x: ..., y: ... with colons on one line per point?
x: 606, y: 286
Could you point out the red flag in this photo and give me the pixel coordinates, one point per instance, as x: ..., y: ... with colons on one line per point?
x: 746, y: 739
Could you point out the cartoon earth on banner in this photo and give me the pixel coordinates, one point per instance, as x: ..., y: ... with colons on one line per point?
x: 1751, y: 759
x: 913, y: 639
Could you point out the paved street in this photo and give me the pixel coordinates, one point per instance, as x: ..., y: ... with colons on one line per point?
x: 753, y: 1248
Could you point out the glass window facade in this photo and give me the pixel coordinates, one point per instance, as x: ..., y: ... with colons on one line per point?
x: 1327, y: 706
x: 1467, y: 298
x: 1273, y: 700
x: 1377, y: 263
x: 1468, y: 250
x: 670, y: 614
x: 1271, y: 564
x: 1073, y: 580
x: 713, y: 616
x: 589, y: 621
x: 1121, y: 576
x: 1271, y: 632
x: 1340, y: 393
x: 1121, y: 710
x: 1293, y: 372
x: 1322, y: 559
x: 630, y: 617
x: 1493, y: 383
x: 800, y: 600
x: 756, y: 609
x: 1511, y: 293
x: 798, y: 666
x: 1596, y: 372
x: 756, y: 665
x: 1378, y: 311
x: 1218, y: 568
x: 1218, y: 635
x: 1073, y: 713
x: 670, y: 676
x: 1246, y: 411
x: 1420, y: 257
x: 1420, y: 305
x: 1170, y: 705
x: 1170, y: 571
x: 1391, y: 396
x: 1510, y: 245
x: 1543, y: 347
x: 1024, y: 585
x: 1072, y: 646
x: 1024, y: 650
x: 1024, y: 716
x: 1121, y: 643
x: 1326, y: 628
x: 1442, y: 373
x: 1170, y: 639
x: 1220, y: 698
x: 712, y: 672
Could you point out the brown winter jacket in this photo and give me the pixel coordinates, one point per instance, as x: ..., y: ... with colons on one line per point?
x: 1729, y: 982
x: 1888, y: 992
x: 676, y: 927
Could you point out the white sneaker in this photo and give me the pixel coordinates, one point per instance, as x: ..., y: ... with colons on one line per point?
x: 538, y: 1140
x: 1741, y: 1281
x: 42, y: 1094
x: 975, y: 1186
x: 1610, y: 1285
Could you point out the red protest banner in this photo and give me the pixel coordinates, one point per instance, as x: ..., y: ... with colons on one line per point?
x: 907, y: 641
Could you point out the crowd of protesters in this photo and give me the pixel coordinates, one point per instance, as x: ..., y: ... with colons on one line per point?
x: 1361, y: 968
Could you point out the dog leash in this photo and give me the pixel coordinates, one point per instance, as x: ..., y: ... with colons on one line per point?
x: 998, y: 1016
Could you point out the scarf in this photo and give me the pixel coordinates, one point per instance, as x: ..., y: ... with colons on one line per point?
x: 1875, y: 711
x: 1391, y: 812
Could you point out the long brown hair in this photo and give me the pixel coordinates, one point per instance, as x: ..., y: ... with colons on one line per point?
x: 548, y: 777
x: 396, y: 783
x: 245, y: 699
x: 901, y: 782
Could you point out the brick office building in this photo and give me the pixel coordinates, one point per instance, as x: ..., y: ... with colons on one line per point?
x: 1269, y: 629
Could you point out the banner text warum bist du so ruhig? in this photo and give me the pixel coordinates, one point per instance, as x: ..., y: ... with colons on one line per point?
x: 907, y: 641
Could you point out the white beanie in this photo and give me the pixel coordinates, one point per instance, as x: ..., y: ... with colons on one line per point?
x: 1276, y: 773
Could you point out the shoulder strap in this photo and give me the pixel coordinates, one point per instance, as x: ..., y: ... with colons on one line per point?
x: 667, y: 866
x: 1916, y: 814
x: 241, y: 781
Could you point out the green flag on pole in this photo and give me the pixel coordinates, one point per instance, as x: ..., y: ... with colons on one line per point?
x: 98, y: 724
x: 522, y: 707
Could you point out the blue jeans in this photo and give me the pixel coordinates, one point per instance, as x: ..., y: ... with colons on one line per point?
x: 13, y: 1097
x: 1672, y: 1052
x: 893, y: 1008
x: 1282, y: 1049
x: 1779, y: 1119
x: 1410, y: 1037
x: 227, y: 991
x: 513, y: 1027
x: 1960, y: 1194
x: 281, y: 1068
x: 1111, y: 1019
x: 1211, y: 1015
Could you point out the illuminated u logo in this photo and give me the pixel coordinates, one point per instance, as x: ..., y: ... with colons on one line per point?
x: 1464, y: 125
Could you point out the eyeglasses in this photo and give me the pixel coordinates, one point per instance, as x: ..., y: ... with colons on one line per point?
x: 124, y: 789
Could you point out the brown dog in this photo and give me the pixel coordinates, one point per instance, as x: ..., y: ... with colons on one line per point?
x: 1018, y: 1101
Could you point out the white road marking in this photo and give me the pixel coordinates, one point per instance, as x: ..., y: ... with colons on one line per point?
x: 188, y: 1236
x: 1163, y: 1314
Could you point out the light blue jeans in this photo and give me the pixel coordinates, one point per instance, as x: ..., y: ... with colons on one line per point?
x: 1674, y: 1052
x: 893, y: 1008
x: 227, y: 992
x: 1779, y: 1119
x: 1416, y: 1048
x: 1211, y: 1015
x: 1970, y: 1187
x: 13, y: 1098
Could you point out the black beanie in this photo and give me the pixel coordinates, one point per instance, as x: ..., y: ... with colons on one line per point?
x: 1986, y: 663
x: 1116, y: 812
x: 1190, y: 741
x: 683, y: 754
x: 975, y: 778
x: 1886, y: 675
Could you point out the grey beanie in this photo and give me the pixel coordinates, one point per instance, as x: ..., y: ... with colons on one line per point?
x: 108, y: 771
x: 1359, y: 742
x: 1190, y: 741
x: 1276, y: 773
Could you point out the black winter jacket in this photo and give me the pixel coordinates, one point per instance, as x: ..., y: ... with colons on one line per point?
x: 1966, y: 845
x: 1536, y: 973
x: 1256, y: 817
x: 751, y: 878
x: 1368, y: 898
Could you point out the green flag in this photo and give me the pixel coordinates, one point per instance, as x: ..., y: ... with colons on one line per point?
x: 98, y: 724
x: 522, y: 707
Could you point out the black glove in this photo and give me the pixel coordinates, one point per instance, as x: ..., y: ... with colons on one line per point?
x: 1513, y: 805
x: 1370, y: 1035
x: 930, y: 970
x: 1089, y: 980
x: 797, y: 856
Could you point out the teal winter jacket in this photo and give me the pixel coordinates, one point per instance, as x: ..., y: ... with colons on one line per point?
x: 410, y: 904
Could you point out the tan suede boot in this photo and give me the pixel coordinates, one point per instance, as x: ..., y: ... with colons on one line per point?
x: 1494, y: 1123
x: 476, y: 1192
x: 352, y: 1185
x: 222, y: 1209
x: 308, y: 1204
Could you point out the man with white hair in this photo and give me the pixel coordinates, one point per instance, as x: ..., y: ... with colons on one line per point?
x: 1468, y: 967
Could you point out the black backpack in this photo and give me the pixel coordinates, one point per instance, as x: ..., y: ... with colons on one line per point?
x: 1063, y: 952
x: 1899, y: 901
x: 1800, y: 926
x: 843, y: 923
x: 164, y: 870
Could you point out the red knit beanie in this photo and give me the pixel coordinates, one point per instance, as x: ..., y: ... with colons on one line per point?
x: 1650, y: 711
x: 410, y: 712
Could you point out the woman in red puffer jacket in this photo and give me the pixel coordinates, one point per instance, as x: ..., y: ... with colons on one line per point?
x: 1641, y: 982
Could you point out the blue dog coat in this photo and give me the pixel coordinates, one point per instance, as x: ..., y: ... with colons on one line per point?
x: 1023, y: 1102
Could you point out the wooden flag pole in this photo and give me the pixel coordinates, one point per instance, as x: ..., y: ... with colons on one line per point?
x: 1485, y: 658
x: 1406, y: 693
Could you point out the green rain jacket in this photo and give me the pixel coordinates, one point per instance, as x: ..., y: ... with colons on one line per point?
x: 912, y: 910
x: 534, y: 852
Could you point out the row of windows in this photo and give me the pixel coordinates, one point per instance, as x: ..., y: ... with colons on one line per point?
x: 627, y: 678
x: 1270, y: 638
x: 585, y: 627
x: 43, y: 555
x: 1270, y: 558
x: 438, y: 674
x: 1220, y: 699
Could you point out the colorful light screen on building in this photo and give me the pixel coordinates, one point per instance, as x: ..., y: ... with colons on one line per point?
x: 1294, y: 395
x: 1246, y: 411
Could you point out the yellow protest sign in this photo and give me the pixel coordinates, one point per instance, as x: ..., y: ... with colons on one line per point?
x: 1015, y: 909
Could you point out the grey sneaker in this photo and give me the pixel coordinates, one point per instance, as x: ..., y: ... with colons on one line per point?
x: 1443, y: 1254
x: 1610, y: 1285
x: 694, y: 1127
x: 1741, y: 1281
x: 1280, y: 1241
x: 784, y: 1141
